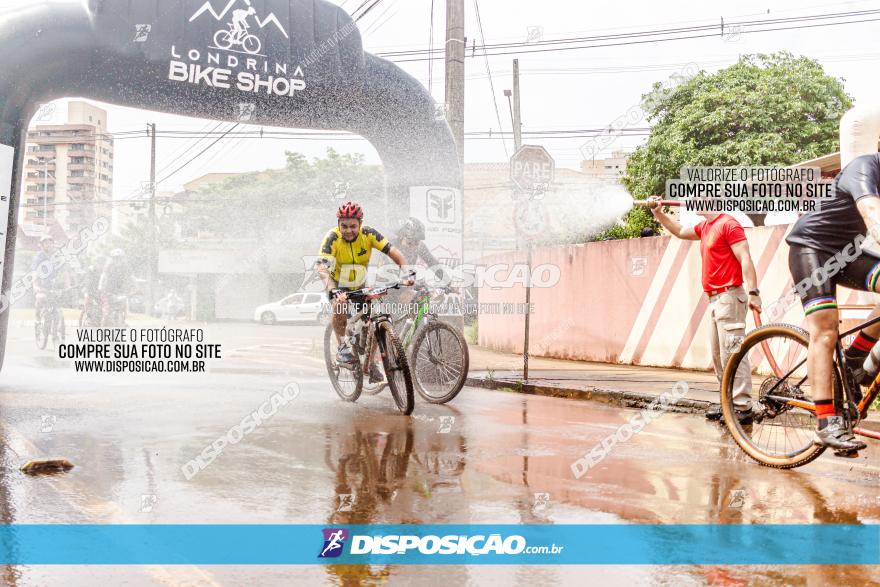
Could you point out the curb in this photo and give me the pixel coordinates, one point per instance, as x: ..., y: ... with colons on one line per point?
x: 614, y: 397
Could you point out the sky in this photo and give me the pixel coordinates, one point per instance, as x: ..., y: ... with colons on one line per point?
x: 576, y: 89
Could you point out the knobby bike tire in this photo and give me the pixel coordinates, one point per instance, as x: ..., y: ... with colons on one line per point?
x: 394, y: 359
x: 457, y: 385
x: 755, y: 339
x: 333, y: 369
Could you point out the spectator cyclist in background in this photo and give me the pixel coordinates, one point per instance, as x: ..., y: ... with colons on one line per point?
x: 45, y: 273
x: 345, y: 254
x: 91, y: 295
x: 411, y: 242
x: 115, y: 281
x: 726, y: 259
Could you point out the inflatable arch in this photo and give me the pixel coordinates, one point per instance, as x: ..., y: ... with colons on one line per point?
x: 299, y: 63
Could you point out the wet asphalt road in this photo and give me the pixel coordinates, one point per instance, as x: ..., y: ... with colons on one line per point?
x: 319, y: 460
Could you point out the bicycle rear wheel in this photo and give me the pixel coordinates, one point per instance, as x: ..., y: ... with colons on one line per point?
x: 439, y: 362
x: 396, y: 367
x: 782, y: 433
x: 347, y: 381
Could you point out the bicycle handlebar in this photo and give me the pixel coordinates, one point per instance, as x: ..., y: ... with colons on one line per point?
x: 372, y: 292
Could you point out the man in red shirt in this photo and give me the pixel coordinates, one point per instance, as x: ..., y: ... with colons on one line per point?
x: 726, y: 259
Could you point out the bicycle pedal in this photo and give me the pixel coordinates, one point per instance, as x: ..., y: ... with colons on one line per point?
x: 847, y: 454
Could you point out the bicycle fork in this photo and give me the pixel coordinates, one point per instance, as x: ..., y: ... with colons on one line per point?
x: 380, y: 341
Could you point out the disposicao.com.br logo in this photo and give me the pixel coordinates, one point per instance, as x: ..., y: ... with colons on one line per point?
x: 334, y: 542
x: 402, y: 544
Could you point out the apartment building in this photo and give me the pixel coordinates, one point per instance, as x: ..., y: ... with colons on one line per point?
x: 68, y: 173
x: 612, y: 167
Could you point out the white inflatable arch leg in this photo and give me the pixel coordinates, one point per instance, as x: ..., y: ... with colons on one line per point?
x: 859, y: 132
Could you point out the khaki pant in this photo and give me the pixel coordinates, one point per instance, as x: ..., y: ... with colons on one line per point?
x: 728, y: 313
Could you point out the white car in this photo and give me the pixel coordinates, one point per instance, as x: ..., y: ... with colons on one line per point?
x: 299, y: 307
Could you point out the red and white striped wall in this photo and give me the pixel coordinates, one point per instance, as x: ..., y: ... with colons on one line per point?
x: 636, y: 301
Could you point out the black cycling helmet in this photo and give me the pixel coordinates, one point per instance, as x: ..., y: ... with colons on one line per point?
x: 412, y: 229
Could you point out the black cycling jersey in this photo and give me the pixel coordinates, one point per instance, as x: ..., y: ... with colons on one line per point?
x: 838, y: 222
x: 420, y: 252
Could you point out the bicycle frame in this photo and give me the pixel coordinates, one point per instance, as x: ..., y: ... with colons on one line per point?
x: 372, y: 321
x: 423, y: 310
x: 867, y: 399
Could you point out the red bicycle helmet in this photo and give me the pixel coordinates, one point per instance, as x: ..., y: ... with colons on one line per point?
x: 350, y: 210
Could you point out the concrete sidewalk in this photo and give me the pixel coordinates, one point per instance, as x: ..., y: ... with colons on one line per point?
x: 620, y: 385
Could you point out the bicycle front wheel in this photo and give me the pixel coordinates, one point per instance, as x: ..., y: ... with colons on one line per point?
x: 396, y: 368
x: 440, y: 362
x: 782, y: 433
x: 347, y: 381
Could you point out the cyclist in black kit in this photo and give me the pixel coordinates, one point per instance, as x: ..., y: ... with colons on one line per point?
x: 825, y: 250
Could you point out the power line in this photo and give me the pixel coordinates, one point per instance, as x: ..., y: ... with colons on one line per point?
x: 431, y: 48
x: 655, y: 32
x: 367, y: 10
x: 355, y: 11
x: 471, y: 134
x: 229, y: 146
x: 199, y: 154
x: 202, y: 136
x: 187, y: 200
x: 489, y: 73
x: 379, y: 23
x: 543, y: 46
x: 709, y: 21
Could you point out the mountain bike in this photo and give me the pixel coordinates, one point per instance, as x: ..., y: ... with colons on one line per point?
x: 367, y: 330
x: 118, y: 310
x: 90, y: 315
x: 782, y: 432
x: 49, y: 320
x: 437, y: 351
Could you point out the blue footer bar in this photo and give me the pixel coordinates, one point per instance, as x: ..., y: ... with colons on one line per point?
x: 54, y: 544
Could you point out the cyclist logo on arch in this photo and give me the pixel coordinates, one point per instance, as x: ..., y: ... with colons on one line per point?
x: 237, y: 34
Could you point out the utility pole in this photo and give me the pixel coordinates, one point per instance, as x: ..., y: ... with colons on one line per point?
x: 455, y: 46
x: 517, y: 144
x: 517, y: 121
x: 151, y: 224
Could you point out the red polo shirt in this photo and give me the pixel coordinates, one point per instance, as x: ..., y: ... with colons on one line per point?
x: 721, y: 268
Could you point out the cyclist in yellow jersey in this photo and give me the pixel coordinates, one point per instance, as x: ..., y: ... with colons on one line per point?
x: 345, y: 254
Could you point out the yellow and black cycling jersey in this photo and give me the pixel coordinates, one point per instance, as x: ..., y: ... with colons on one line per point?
x: 352, y: 257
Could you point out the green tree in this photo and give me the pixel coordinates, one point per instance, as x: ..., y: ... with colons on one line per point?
x: 774, y: 109
x: 248, y: 205
x: 274, y: 212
